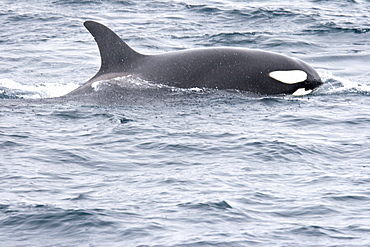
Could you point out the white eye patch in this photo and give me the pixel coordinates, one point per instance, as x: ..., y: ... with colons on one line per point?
x: 289, y: 76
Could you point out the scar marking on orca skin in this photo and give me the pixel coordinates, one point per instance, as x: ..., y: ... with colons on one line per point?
x: 289, y: 76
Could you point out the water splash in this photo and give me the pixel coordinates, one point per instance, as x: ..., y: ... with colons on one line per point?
x: 13, y: 89
x: 338, y: 85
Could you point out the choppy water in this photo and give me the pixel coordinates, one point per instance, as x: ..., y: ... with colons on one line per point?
x: 144, y: 166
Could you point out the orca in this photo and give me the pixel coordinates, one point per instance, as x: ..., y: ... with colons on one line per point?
x: 255, y: 71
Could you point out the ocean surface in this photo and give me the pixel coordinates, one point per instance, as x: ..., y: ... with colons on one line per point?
x: 139, y: 164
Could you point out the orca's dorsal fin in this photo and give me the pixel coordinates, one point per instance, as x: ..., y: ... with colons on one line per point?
x: 115, y: 54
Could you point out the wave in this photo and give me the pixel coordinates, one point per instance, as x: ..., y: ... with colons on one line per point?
x: 22, y: 223
x: 332, y: 27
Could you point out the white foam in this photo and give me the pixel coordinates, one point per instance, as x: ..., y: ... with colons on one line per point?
x: 42, y: 90
x: 343, y: 84
x: 95, y: 85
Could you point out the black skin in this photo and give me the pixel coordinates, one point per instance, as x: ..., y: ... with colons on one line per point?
x: 221, y: 68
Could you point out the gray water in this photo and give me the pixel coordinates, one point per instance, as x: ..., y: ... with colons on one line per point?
x: 150, y: 166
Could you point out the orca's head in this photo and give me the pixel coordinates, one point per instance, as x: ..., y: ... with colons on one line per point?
x: 279, y: 74
x: 303, y: 81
